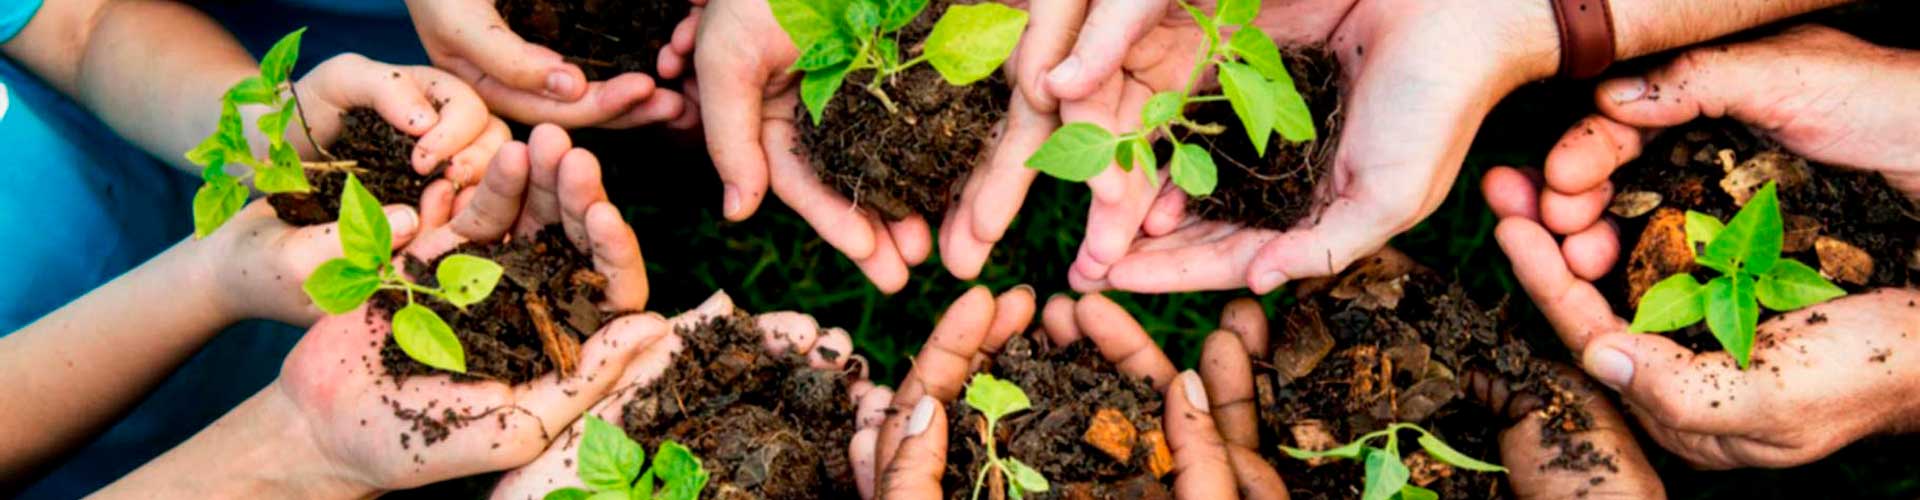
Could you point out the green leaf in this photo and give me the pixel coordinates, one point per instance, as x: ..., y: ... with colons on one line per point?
x: 1193, y: 170
x: 1237, y: 12
x: 1411, y: 492
x: 337, y: 286
x: 427, y: 338
x: 1752, y: 241
x: 466, y: 280
x: 1019, y: 474
x: 643, y: 489
x: 365, y: 237
x: 1792, y: 285
x: 1134, y: 152
x: 970, y: 41
x: 1671, y: 304
x: 1385, y: 475
x: 211, y: 152
x: 1701, y: 229
x: 807, y: 21
x: 830, y: 51
x: 680, y: 470
x: 1206, y: 24
x: 1349, y: 451
x: 232, y: 134
x: 284, y: 175
x: 277, y: 65
x: 1446, y: 454
x: 1075, y: 152
x: 569, y: 493
x: 1252, y: 101
x: 1258, y: 51
x: 1292, y: 118
x: 1161, y: 109
x: 215, y: 203
x: 253, y: 90
x: 862, y: 17
x: 889, y: 52
x: 900, y: 13
x: 274, y: 123
x: 995, y: 398
x: 619, y: 494
x: 1733, y: 314
x: 609, y: 460
x: 817, y: 89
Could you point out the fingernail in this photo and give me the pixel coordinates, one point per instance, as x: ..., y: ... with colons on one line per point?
x: 1196, y: 391
x: 1023, y: 287
x: 1626, y: 89
x: 1268, y: 281
x: 922, y: 416
x: 730, y: 205
x: 1066, y: 70
x: 559, y: 83
x: 401, y: 220
x: 1611, y: 366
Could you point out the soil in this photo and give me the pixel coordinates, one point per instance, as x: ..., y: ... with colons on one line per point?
x: 1070, y: 388
x: 1277, y: 191
x: 1851, y: 225
x: 913, y: 161
x: 384, y: 159
x: 764, y: 426
x: 1393, y: 342
x: 605, y: 38
x: 549, y: 285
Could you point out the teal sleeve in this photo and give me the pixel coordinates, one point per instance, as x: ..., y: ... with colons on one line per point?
x: 14, y: 15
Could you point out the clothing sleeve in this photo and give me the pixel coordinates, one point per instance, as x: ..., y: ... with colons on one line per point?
x: 14, y: 15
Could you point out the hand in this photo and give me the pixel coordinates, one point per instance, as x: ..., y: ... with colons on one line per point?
x: 797, y: 332
x: 1820, y: 93
x: 1522, y: 452
x: 452, y: 124
x: 259, y: 262
x: 349, y: 403
x: 533, y: 84
x: 1831, y: 363
x: 1421, y: 76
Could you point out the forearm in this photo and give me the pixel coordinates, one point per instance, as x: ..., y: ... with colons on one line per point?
x: 261, y: 449
x: 1642, y: 27
x: 73, y: 372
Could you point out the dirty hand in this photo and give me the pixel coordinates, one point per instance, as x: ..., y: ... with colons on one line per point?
x: 450, y: 121
x: 533, y: 84
x: 1820, y: 93
x: 260, y: 262
x: 1530, y: 460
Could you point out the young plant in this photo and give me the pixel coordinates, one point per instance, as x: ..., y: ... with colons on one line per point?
x: 1253, y: 79
x: 1387, y: 476
x: 995, y: 399
x: 342, y: 284
x: 837, y: 37
x: 281, y: 170
x: 610, y: 465
x: 1746, y: 252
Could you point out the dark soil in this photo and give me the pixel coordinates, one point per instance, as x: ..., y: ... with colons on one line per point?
x: 606, y: 38
x: 1684, y: 167
x: 913, y: 161
x: 764, y: 426
x: 545, y: 275
x: 1277, y: 191
x: 1068, y: 387
x: 1391, y: 342
x: 384, y: 159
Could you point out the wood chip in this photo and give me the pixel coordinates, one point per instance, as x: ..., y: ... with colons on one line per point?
x: 1377, y: 282
x: 1800, y: 233
x: 590, y: 279
x: 560, y: 347
x: 1425, y: 397
x: 1425, y: 469
x: 1160, y: 462
x: 1632, y: 204
x: 1745, y: 179
x: 1842, y: 261
x: 1302, y: 344
x: 1312, y: 435
x: 1661, y: 252
x: 1112, y: 433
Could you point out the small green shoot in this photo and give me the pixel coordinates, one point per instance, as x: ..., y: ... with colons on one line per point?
x: 1253, y: 79
x: 995, y: 399
x: 342, y: 284
x: 837, y: 37
x: 1387, y: 476
x: 610, y: 463
x: 1746, y: 252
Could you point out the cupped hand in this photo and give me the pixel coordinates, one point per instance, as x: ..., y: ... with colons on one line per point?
x: 533, y: 84
x: 451, y: 122
x: 1819, y: 92
x: 261, y: 261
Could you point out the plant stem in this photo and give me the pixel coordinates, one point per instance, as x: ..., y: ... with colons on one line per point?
x: 884, y: 101
x: 1208, y: 98
x: 301, y: 113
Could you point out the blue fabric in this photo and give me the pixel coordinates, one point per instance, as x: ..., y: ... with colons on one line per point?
x: 14, y: 15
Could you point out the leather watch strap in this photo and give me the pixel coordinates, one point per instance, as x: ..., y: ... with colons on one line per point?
x: 1586, y: 36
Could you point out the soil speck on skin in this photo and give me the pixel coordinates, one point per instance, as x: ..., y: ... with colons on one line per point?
x: 382, y: 155
x: 1276, y: 191
x: 605, y: 38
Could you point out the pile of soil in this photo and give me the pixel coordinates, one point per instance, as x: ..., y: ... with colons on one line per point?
x: 1851, y: 225
x: 764, y: 425
x: 383, y: 159
x: 533, y: 323
x: 1276, y: 191
x: 1092, y: 431
x: 1393, y: 342
x: 913, y: 161
x: 605, y: 38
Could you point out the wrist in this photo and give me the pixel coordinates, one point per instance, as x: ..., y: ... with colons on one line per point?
x: 1532, y: 43
x: 281, y: 456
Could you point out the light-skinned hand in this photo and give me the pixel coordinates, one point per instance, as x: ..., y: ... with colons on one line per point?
x: 450, y: 121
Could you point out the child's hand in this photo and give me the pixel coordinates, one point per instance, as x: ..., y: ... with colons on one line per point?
x: 259, y: 262
x: 444, y: 113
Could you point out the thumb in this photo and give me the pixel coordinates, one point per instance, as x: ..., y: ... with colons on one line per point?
x: 1715, y: 82
x: 1111, y: 29
x: 1201, y: 467
x: 1704, y: 393
x: 502, y: 55
x: 916, y: 468
x: 313, y: 245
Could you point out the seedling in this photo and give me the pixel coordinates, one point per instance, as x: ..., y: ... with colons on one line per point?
x: 1253, y: 79
x: 995, y: 399
x: 342, y: 284
x: 1746, y: 252
x: 281, y: 171
x: 610, y: 465
x: 837, y: 37
x: 1387, y: 476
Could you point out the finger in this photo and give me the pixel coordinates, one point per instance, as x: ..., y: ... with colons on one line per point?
x: 912, y: 239
x: 579, y: 189
x: 1012, y: 313
x: 831, y: 351
x: 1166, y: 213
x: 674, y: 57
x: 1592, y: 252
x: 1200, y: 464
x: 1111, y: 28
x: 1574, y: 307
x: 1122, y: 340
x: 491, y: 211
x: 470, y: 164
x: 664, y: 105
x: 788, y: 331
x: 547, y: 147
x: 915, y: 471
x: 861, y: 452
x: 1705, y: 393
x: 1258, y: 480
x: 871, y: 410
x: 1348, y: 230
x: 837, y: 220
x: 717, y: 305
x: 1589, y: 153
x: 941, y: 367
x: 506, y: 58
x: 1248, y: 321
x: 463, y: 116
x: 885, y: 267
x: 436, y: 205
x: 355, y: 81
x: 558, y: 400
x: 1051, y: 28
x: 616, y: 255
x: 1058, y: 321
x: 730, y: 105
x: 1566, y: 213
x: 992, y: 196
x: 1511, y: 192
x: 601, y: 101
x: 1228, y: 373
x: 1219, y: 264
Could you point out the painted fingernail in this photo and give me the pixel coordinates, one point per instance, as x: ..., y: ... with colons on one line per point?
x: 730, y: 204
x: 1626, y: 89
x: 1268, y: 281
x: 401, y: 220
x: 1196, y: 391
x: 559, y: 83
x: 922, y: 416
x: 1611, y: 366
x: 1066, y: 70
